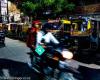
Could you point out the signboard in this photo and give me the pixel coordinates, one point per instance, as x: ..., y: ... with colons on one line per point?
x: 3, y: 4
x: 88, y: 8
x: 3, y: 11
x: 17, y: 17
x: 3, y: 7
x: 39, y: 50
x: 4, y: 1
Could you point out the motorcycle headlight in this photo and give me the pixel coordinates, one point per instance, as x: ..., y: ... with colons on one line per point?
x: 67, y: 54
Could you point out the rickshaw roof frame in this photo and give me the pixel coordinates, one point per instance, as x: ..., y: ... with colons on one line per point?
x: 68, y: 22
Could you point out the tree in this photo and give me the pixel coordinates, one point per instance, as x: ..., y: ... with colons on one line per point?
x: 71, y: 6
x: 46, y: 2
x: 37, y: 7
x: 29, y: 7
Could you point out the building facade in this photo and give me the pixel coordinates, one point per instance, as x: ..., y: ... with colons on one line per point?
x: 8, y: 12
x: 3, y: 11
x: 13, y: 12
x: 90, y: 8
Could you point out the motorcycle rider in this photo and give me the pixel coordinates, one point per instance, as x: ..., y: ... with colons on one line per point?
x: 36, y: 36
x: 32, y: 39
x: 48, y: 38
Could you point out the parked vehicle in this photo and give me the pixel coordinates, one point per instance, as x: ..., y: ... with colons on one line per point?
x: 2, y: 36
x: 17, y: 30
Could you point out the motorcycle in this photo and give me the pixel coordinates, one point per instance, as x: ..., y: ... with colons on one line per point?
x: 52, y: 64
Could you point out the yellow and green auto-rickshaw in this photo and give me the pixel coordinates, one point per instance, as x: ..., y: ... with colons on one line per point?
x: 82, y: 28
x: 77, y: 27
x: 79, y: 30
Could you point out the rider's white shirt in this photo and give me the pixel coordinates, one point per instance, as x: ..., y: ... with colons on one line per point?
x: 50, y: 38
x: 39, y: 37
x: 47, y: 37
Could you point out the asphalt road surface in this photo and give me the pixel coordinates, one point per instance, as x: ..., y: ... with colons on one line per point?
x: 13, y: 59
x: 13, y: 63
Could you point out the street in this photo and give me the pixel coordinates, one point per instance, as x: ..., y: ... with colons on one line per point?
x: 49, y: 40
x: 13, y: 63
x: 14, y: 50
x: 13, y: 59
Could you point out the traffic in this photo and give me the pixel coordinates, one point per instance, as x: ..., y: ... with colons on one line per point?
x: 53, y: 42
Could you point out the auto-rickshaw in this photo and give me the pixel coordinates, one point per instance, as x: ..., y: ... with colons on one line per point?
x: 88, y: 30
x: 17, y: 30
x: 88, y: 40
x: 12, y: 29
x: 95, y: 33
x: 77, y: 27
x: 81, y: 31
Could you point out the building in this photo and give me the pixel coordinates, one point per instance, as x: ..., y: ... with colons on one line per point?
x: 8, y: 12
x: 14, y: 12
x: 3, y: 11
x: 88, y: 8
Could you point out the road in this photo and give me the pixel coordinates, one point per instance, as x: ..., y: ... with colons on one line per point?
x: 13, y: 63
x: 13, y: 59
x: 14, y: 50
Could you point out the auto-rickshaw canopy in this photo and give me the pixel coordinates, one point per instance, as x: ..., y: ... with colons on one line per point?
x: 66, y: 21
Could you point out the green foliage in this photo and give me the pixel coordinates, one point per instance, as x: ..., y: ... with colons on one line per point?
x: 29, y: 5
x: 71, y: 6
x: 32, y: 7
x: 47, y: 2
x: 59, y: 5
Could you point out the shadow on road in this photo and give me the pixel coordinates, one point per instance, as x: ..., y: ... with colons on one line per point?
x: 90, y: 73
x: 88, y: 56
x: 18, y: 69
x: 2, y: 45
